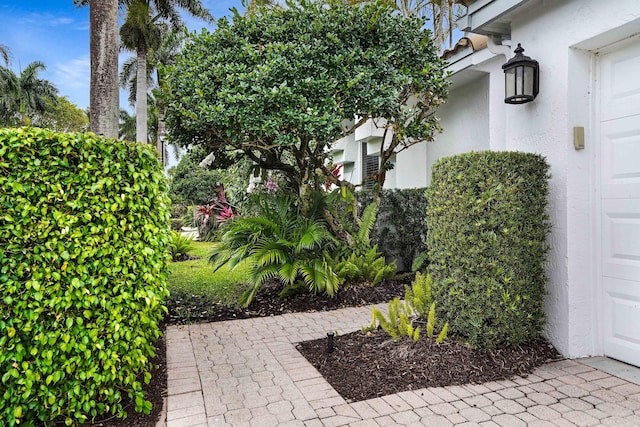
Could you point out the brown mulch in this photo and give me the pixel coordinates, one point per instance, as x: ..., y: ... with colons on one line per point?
x: 185, y: 257
x: 361, y: 366
x: 184, y: 309
x: 365, y: 366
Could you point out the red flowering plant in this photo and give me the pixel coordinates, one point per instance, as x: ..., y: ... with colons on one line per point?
x: 217, y: 208
x: 336, y: 171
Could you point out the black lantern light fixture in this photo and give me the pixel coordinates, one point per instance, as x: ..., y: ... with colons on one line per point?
x: 521, y: 76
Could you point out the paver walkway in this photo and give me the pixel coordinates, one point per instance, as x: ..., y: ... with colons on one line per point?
x: 248, y: 373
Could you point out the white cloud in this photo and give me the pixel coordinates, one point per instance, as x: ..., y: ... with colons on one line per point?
x: 72, y: 79
x: 56, y: 22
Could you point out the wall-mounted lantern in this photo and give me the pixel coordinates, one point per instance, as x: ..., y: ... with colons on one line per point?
x: 521, y: 77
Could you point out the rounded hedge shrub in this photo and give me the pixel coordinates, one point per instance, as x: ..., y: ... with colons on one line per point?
x: 486, y: 233
x: 83, y: 266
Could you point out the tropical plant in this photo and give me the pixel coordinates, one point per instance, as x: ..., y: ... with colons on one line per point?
x: 370, y: 266
x: 142, y: 32
x: 278, y: 244
x: 362, y: 261
x: 249, y: 100
x: 405, y: 318
x: 180, y: 245
x: 104, y: 95
x: 25, y: 95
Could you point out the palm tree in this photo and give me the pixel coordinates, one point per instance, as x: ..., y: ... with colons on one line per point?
x: 127, y: 128
x: 4, y: 53
x: 279, y: 244
x: 25, y: 94
x: 104, y: 95
x: 128, y: 122
x: 141, y: 34
x: 165, y: 54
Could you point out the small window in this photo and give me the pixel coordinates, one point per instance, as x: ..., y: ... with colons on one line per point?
x: 370, y: 165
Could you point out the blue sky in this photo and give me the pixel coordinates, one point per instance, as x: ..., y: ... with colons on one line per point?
x: 56, y: 33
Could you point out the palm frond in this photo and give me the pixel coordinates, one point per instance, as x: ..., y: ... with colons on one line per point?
x: 268, y: 253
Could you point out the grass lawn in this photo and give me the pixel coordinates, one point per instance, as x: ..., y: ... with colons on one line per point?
x: 196, y: 277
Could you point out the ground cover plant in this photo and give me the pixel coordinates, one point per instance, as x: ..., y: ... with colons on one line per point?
x: 83, y: 265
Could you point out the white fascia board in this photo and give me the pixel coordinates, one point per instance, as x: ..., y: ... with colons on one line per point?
x: 483, y: 16
x: 466, y: 59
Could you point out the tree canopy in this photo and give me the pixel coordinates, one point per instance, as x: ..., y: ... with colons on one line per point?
x: 279, y: 86
x: 62, y: 116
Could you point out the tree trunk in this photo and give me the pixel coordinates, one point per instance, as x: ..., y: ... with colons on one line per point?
x: 161, y: 130
x: 141, y: 94
x: 104, y: 96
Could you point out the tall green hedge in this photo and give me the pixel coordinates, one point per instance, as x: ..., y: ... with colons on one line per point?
x: 486, y: 233
x: 83, y: 266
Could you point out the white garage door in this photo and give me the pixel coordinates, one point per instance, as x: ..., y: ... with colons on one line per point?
x: 620, y: 193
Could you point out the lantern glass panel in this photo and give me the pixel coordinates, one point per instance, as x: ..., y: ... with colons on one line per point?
x: 528, y: 81
x: 519, y: 79
x: 510, y: 82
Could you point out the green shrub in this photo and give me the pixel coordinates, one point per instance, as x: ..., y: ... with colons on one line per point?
x: 400, y: 229
x: 486, y: 233
x: 83, y: 266
x: 177, y: 224
x: 192, y: 184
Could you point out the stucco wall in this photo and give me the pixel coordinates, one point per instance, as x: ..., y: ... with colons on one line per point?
x: 465, y: 122
x: 559, y: 35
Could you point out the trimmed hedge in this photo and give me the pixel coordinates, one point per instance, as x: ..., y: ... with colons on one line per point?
x: 400, y: 230
x: 83, y: 266
x: 486, y: 233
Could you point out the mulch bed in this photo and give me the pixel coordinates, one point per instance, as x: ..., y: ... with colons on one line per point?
x: 185, y: 309
x: 365, y: 366
x: 185, y: 257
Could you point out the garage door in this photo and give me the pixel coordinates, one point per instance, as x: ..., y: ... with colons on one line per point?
x: 620, y: 199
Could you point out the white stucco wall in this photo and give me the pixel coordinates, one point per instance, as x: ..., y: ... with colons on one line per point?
x: 546, y: 126
x: 559, y: 35
x: 465, y: 122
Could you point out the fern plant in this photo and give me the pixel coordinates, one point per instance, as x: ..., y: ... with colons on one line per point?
x: 405, y: 317
x: 370, y: 267
x: 277, y: 244
x: 364, y: 262
x: 419, y: 295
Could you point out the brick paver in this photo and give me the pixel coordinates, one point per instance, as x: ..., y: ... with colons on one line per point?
x: 248, y: 373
